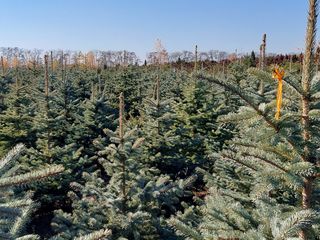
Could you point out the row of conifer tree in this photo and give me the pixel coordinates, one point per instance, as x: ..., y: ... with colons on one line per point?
x: 157, y: 152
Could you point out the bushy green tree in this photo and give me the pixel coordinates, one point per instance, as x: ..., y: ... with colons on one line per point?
x: 16, y: 121
x: 16, y: 210
x: 265, y: 182
x: 125, y: 195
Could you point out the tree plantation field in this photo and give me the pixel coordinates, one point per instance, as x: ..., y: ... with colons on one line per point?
x: 186, y: 145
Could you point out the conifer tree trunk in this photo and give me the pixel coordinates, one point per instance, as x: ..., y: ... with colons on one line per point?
x: 62, y: 60
x: 51, y: 61
x: 47, y: 107
x: 140, y: 91
x: 65, y: 67
x: 93, y: 92
x: 158, y: 103
x: 62, y: 69
x: 262, y: 61
x: 308, y: 70
x: 46, y: 84
x: 17, y: 76
x: 2, y: 66
x: 99, y: 81
x: 158, y: 92
x: 317, y: 58
x: 223, y: 68
x: 196, y: 58
x: 122, y: 158
x: 66, y: 97
x: 154, y: 91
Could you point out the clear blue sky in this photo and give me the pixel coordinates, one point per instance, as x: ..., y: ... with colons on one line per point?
x: 136, y: 24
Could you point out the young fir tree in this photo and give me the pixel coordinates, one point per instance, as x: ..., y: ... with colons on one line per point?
x: 128, y: 81
x: 97, y: 115
x: 16, y: 211
x: 56, y: 113
x: 16, y: 120
x: 196, y: 126
x: 252, y: 59
x: 124, y: 195
x: 5, y: 81
x: 158, y: 118
x: 179, y: 132
x: 265, y: 183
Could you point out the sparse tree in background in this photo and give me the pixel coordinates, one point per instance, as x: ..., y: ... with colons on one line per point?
x: 252, y: 59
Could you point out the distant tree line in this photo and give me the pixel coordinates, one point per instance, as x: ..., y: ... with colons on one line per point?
x: 11, y: 57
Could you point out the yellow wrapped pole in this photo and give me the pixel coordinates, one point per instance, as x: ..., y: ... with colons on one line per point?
x: 278, y: 74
